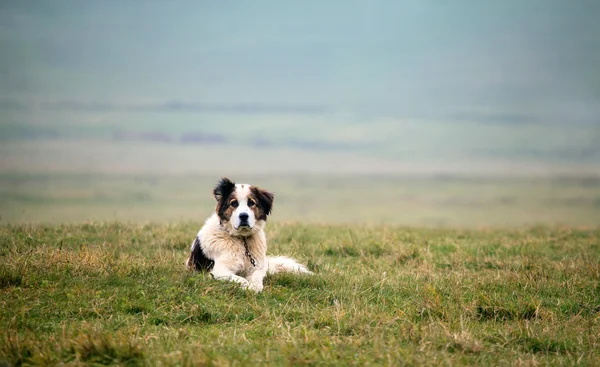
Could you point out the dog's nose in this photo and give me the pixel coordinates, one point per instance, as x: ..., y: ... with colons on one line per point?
x: 244, y: 217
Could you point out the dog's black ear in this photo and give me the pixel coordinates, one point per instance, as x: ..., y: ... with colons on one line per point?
x: 222, y: 192
x: 223, y: 189
x: 264, y: 200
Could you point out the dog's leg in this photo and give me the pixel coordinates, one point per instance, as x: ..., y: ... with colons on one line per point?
x: 256, y: 278
x: 221, y: 272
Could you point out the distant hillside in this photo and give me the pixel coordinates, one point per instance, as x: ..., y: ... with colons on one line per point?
x: 409, y: 83
x: 392, y: 139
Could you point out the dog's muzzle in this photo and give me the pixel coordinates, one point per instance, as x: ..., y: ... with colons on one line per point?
x: 244, y: 220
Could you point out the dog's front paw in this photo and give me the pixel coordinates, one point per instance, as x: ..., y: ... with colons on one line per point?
x: 256, y: 287
x: 244, y: 283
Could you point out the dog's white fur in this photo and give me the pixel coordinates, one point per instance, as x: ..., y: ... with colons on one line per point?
x: 223, y: 241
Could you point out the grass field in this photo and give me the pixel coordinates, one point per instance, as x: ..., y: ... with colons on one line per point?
x: 417, y: 262
x: 104, y: 293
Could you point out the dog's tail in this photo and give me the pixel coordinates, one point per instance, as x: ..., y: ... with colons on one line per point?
x: 280, y: 264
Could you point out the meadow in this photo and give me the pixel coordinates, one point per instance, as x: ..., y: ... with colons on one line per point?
x: 415, y: 264
x: 436, y: 164
x: 115, y: 293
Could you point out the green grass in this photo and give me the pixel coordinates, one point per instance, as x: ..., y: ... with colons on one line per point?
x: 116, y: 293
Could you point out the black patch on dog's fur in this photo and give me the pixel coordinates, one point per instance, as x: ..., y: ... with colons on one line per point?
x: 198, y: 260
x: 222, y: 192
x: 264, y: 202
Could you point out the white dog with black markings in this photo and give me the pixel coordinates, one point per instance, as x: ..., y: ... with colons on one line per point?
x: 232, y: 244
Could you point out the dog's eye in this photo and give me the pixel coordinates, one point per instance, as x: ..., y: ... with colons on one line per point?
x: 234, y: 203
x: 251, y: 203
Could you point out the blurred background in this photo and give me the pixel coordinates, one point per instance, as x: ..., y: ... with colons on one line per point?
x: 424, y: 113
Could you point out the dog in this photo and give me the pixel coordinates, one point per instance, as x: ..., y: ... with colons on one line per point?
x: 232, y: 244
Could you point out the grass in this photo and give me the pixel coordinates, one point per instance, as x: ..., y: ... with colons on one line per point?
x: 117, y: 293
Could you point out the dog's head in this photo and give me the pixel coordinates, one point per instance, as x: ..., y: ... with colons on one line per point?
x: 243, y: 208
